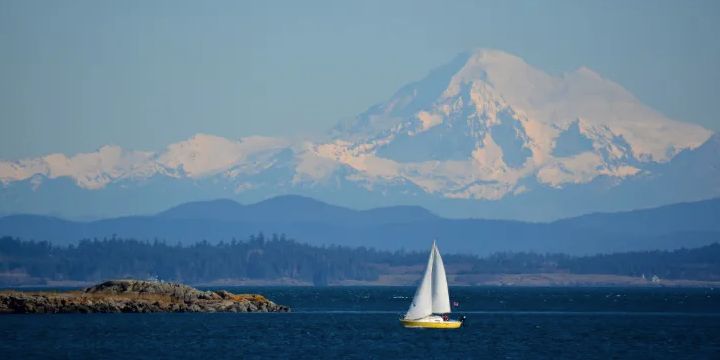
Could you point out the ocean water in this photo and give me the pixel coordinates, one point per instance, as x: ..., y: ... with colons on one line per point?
x: 362, y: 323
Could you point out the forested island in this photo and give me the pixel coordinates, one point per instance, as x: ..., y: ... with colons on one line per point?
x: 275, y: 259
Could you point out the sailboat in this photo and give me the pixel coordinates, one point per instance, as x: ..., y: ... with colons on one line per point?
x: 431, y: 304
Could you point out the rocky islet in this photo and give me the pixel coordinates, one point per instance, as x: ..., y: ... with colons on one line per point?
x: 134, y: 296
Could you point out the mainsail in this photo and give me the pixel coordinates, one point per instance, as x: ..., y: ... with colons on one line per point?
x: 431, y: 297
x: 440, y: 296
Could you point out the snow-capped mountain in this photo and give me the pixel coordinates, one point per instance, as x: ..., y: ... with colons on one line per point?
x: 485, y: 135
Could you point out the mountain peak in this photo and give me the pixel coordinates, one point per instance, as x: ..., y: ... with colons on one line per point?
x: 218, y: 209
x: 495, y: 67
x: 293, y: 200
x: 483, y: 124
x: 493, y: 57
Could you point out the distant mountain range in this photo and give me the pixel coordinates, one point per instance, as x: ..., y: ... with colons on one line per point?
x: 391, y: 228
x: 486, y: 135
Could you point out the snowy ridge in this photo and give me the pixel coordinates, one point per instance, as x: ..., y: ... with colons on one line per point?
x: 485, y: 126
x: 202, y: 155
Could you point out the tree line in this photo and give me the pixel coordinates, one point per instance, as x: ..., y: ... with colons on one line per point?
x: 277, y: 257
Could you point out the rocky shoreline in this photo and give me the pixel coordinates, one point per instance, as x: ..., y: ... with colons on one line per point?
x: 134, y: 296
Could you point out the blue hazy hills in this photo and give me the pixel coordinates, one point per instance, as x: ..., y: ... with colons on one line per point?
x: 314, y: 222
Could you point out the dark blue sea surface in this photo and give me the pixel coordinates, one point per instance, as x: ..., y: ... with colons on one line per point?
x: 362, y: 322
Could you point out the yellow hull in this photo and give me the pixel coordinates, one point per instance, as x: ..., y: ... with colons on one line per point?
x: 450, y: 324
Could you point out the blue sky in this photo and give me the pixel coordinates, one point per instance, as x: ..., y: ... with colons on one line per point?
x: 76, y: 75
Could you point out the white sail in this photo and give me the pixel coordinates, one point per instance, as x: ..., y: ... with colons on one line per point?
x: 440, y: 295
x: 422, y: 304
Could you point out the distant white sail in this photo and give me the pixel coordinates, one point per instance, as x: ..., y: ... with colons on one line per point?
x: 422, y: 304
x: 440, y: 295
x: 431, y: 297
